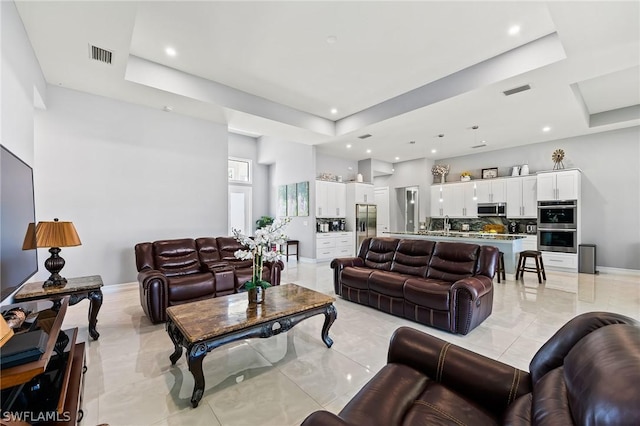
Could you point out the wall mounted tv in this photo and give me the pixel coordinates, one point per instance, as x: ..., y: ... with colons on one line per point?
x: 17, y: 211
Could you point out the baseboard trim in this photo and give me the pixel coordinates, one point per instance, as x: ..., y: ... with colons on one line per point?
x: 617, y: 271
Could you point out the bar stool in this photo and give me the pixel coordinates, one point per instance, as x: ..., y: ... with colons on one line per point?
x: 500, y: 270
x: 292, y: 243
x: 522, y: 264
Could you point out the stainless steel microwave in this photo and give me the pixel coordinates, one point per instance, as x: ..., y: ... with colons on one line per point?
x: 492, y: 209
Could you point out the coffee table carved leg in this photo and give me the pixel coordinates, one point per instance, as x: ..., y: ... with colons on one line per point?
x: 176, y: 338
x: 330, y: 315
x: 196, y: 355
x: 95, y: 302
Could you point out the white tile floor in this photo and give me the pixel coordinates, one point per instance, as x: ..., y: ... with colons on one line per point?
x: 279, y: 381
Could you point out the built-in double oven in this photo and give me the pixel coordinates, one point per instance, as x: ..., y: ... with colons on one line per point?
x: 558, y: 226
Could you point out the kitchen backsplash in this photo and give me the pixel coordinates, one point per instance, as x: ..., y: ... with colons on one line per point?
x: 477, y: 225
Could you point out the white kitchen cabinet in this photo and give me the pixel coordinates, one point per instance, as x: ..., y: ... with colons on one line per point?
x: 334, y: 244
x: 521, y: 197
x: 459, y: 201
x: 437, y: 206
x: 330, y: 199
x: 491, y: 191
x: 562, y: 261
x: 361, y: 193
x: 558, y: 185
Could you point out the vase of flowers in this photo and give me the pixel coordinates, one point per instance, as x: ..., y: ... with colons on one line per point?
x: 261, y: 248
x: 465, y: 176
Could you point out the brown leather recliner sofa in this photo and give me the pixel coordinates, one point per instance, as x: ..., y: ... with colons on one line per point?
x: 171, y: 272
x: 446, y: 285
x: 586, y: 374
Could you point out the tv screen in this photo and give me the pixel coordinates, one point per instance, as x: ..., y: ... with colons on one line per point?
x: 17, y: 211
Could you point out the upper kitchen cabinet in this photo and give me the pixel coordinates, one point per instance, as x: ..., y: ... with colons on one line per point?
x: 453, y: 200
x: 360, y: 193
x: 491, y: 191
x: 331, y: 199
x: 558, y: 185
x: 521, y: 197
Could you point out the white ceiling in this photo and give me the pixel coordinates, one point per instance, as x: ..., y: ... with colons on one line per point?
x: 452, y: 55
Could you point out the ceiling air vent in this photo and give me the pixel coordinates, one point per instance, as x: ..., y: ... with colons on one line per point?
x: 482, y: 145
x: 516, y: 90
x: 99, y: 54
x: 364, y: 136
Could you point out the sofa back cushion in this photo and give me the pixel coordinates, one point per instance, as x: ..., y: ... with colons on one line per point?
x: 176, y: 257
x: 453, y: 261
x: 379, y: 253
x: 601, y: 373
x: 487, y: 261
x: 412, y: 257
x: 208, y: 251
x: 228, y: 246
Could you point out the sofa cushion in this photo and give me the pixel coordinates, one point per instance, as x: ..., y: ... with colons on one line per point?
x: 189, y: 287
x: 356, y: 277
x: 380, y: 253
x: 228, y: 246
x: 388, y: 283
x: 453, y: 261
x: 176, y: 257
x: 600, y: 387
x: 412, y: 257
x: 208, y: 251
x: 429, y: 293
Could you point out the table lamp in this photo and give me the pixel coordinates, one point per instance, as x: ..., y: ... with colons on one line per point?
x: 54, y: 234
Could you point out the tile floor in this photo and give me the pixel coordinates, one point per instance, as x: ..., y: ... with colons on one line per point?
x: 279, y: 381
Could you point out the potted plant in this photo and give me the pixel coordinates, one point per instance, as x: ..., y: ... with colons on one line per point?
x: 260, y: 249
x: 465, y: 176
x: 264, y: 221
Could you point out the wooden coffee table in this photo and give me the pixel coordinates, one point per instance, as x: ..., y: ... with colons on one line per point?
x: 202, y: 326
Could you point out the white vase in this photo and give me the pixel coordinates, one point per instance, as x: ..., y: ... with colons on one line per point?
x: 524, y: 170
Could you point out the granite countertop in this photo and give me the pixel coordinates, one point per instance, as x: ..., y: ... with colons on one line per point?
x: 470, y: 235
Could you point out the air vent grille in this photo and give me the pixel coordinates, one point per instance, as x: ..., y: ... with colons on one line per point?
x: 482, y: 145
x: 101, y: 55
x: 364, y: 136
x: 516, y: 90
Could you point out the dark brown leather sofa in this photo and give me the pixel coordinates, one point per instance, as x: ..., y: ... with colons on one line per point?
x: 586, y: 374
x: 447, y: 285
x: 171, y: 272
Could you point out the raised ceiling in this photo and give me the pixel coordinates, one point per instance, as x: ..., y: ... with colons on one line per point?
x: 400, y: 71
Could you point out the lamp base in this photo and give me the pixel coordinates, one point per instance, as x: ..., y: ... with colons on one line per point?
x: 55, y: 280
x: 54, y: 265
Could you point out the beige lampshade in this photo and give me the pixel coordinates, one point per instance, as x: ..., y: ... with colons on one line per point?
x: 5, y: 332
x: 51, y: 234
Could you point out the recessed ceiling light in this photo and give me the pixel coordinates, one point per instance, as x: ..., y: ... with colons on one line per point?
x: 348, y: 145
x: 170, y: 51
x: 433, y: 151
x: 334, y: 110
x: 332, y: 39
x: 167, y: 108
x: 514, y: 30
x: 546, y: 128
x: 393, y: 170
x: 368, y: 151
x: 397, y: 158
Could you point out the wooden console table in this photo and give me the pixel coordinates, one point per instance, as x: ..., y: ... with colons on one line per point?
x: 76, y: 288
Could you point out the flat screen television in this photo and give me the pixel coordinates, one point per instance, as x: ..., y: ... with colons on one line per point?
x: 17, y: 211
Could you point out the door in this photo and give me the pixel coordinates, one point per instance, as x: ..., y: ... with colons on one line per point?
x: 382, y: 201
x: 240, y: 209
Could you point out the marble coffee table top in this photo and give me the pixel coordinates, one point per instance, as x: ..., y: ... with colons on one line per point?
x: 206, y: 319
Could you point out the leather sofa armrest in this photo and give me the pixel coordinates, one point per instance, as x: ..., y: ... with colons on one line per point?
x: 477, y: 286
x: 323, y: 418
x: 342, y: 262
x: 338, y: 265
x: 492, y: 384
x: 154, y: 294
x: 275, y: 270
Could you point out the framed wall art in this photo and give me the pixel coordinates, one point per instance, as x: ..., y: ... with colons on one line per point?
x: 282, y: 201
x: 292, y: 200
x: 302, y: 189
x: 490, y: 173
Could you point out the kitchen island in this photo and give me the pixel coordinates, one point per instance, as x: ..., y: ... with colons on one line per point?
x: 508, y: 244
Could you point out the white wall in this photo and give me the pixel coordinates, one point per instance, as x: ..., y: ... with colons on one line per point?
x: 610, y: 180
x: 20, y: 78
x: 125, y: 174
x: 408, y: 173
x: 292, y: 163
x: 348, y: 169
x: 247, y: 147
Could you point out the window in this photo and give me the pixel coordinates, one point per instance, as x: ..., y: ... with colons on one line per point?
x: 239, y: 170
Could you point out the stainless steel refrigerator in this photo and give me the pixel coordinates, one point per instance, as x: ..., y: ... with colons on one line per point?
x: 365, y: 223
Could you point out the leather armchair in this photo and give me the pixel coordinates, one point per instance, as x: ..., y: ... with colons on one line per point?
x: 587, y: 373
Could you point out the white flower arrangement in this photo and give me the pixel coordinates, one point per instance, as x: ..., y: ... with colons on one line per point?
x: 440, y: 169
x: 260, y: 249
